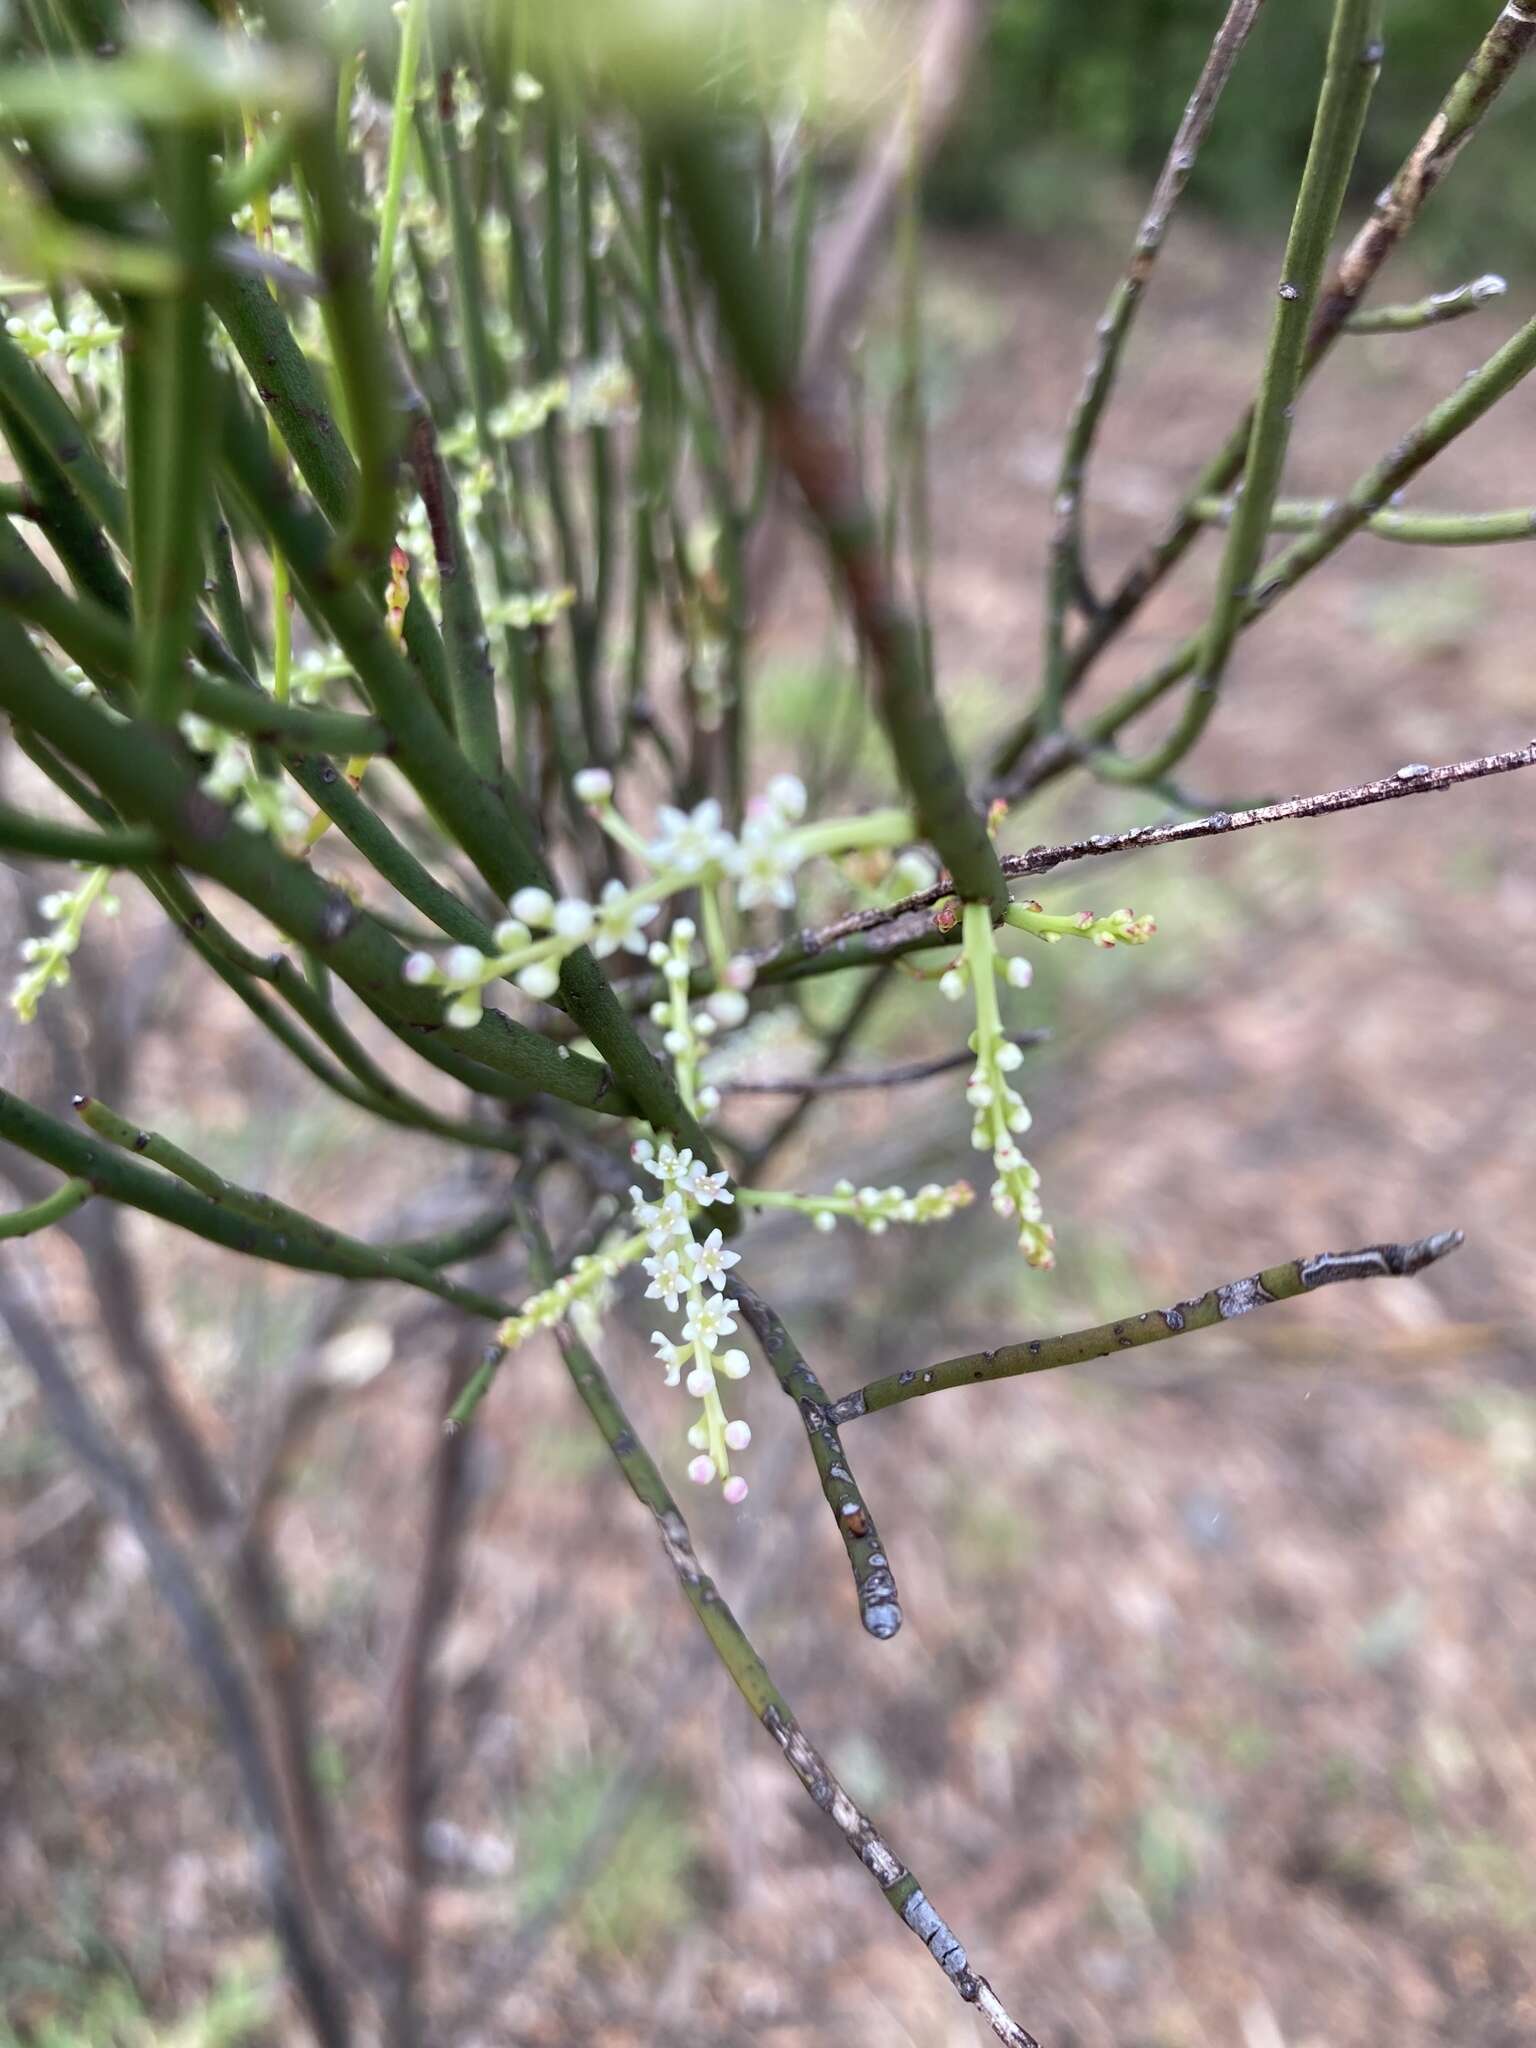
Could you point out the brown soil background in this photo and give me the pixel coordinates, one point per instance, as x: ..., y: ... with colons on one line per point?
x: 1212, y: 1722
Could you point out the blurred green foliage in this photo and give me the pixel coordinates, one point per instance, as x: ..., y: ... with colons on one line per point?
x: 1061, y: 87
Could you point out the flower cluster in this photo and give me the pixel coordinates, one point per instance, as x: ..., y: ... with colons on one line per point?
x: 688, y: 850
x: 873, y: 1209
x: 688, y: 1276
x: 48, y: 957
x: 1001, y: 1115
x: 76, y: 342
x: 262, y: 803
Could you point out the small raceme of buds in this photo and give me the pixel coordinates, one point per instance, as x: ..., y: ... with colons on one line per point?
x: 261, y: 803
x: 48, y: 957
x: 689, y: 850
x: 873, y: 1209
x: 1120, y: 928
x: 585, y: 1286
x: 1000, y: 1114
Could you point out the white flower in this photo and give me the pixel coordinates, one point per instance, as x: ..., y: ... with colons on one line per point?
x: 669, y: 1281
x: 669, y: 1355
x: 765, y: 861
x: 786, y: 795
x: 711, y: 1260
x: 710, y: 1320
x: 688, y: 841
x: 702, y: 1187
x: 621, y: 922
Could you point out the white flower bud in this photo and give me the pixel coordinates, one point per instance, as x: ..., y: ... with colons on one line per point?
x: 825, y: 1221
x: 738, y: 1435
x: 1009, y: 1056
x: 533, y: 906
x: 735, y: 1365
x: 699, y: 1382
x: 419, y: 969
x: 1019, y: 971
x: 685, y: 931
x: 952, y: 985
x: 734, y: 1490
x: 701, y: 1470
x: 728, y: 1006
x: 572, y: 918
x: 709, y: 1099
x: 464, y: 963
x: 539, y: 979
x: 592, y: 785
x: 740, y: 972
x: 464, y: 1011
x: 510, y: 934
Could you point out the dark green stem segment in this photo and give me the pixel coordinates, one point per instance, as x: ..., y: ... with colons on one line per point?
x: 234, y: 1218
x: 64, y: 1201
x: 43, y: 840
x: 754, y: 1682
x: 753, y: 311
x: 1153, y: 1326
x: 873, y: 1580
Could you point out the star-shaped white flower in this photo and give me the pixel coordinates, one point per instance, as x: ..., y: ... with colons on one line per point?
x: 711, y: 1260
x: 710, y: 1321
x: 669, y: 1280
x: 668, y: 1355
x: 621, y: 923
x: 701, y: 1186
x: 687, y: 841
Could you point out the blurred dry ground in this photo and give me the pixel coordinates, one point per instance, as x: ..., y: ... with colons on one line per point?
x: 1213, y: 1723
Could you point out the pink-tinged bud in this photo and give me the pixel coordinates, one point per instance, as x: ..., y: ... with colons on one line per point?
x: 701, y: 1470
x: 740, y: 973
x: 738, y: 1435
x: 735, y: 1490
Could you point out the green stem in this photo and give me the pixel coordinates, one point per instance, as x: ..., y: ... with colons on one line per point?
x: 1152, y: 1326
x: 873, y: 1581
x: 753, y: 311
x: 1349, y: 77
x: 412, y: 31
x: 1417, y: 529
x: 53, y: 1208
x: 282, y: 1237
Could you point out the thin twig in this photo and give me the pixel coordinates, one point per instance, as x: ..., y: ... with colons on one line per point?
x: 906, y: 926
x: 900, y: 1887
x: 210, y: 1654
x: 873, y: 1580
x: 1152, y: 1326
x: 886, y: 1077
